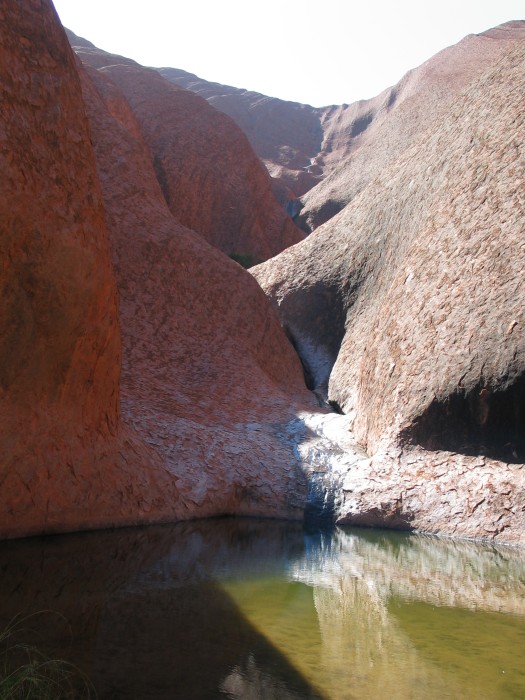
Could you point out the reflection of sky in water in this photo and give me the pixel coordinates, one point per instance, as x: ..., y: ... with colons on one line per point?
x: 260, y: 609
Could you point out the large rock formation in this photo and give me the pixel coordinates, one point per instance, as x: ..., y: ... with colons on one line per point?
x: 65, y: 462
x: 211, y: 179
x: 208, y: 374
x: 363, y: 138
x: 105, y: 169
x: 409, y: 305
x: 326, y: 156
x: 287, y: 136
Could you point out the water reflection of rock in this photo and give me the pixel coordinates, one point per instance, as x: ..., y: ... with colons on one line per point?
x: 357, y: 576
x: 255, y: 609
x: 438, y: 571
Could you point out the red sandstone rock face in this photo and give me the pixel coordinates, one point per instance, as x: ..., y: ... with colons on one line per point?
x: 416, y: 291
x: 213, y: 402
x: 210, y: 177
x: 64, y: 457
x: 208, y: 374
x: 209, y: 378
x: 285, y: 135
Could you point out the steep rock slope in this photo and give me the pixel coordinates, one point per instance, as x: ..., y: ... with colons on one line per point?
x: 326, y: 156
x: 211, y: 179
x: 209, y: 377
x: 287, y: 136
x: 415, y: 292
x: 363, y: 138
x: 65, y: 463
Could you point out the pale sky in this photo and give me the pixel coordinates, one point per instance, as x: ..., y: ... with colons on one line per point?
x: 319, y: 53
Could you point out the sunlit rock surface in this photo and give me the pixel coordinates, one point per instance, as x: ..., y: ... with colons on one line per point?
x: 409, y: 306
x: 210, y: 414
x: 209, y: 378
x: 362, y: 139
x: 210, y: 177
x: 327, y: 155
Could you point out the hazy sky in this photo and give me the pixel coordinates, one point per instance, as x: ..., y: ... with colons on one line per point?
x: 320, y: 53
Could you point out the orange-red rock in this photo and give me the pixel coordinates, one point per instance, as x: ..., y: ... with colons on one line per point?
x: 63, y: 456
x: 406, y: 307
x: 363, y: 138
x: 286, y: 136
x: 208, y: 375
x: 210, y: 177
x: 209, y: 378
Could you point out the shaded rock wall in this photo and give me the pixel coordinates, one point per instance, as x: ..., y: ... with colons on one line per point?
x: 286, y: 136
x: 207, y: 373
x: 65, y: 462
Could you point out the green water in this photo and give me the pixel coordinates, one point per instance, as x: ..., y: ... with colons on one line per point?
x: 250, y: 609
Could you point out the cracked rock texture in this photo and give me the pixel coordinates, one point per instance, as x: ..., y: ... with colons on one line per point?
x: 362, y: 139
x: 66, y: 462
x: 208, y: 375
x: 413, y: 296
x: 191, y: 426
x: 145, y: 377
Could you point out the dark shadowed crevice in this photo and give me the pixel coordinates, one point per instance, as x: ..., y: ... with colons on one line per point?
x: 336, y: 407
x: 160, y: 172
x: 311, y: 220
x: 308, y: 375
x: 293, y: 208
x: 361, y: 124
x: 483, y: 421
x: 392, y: 98
x: 314, y: 321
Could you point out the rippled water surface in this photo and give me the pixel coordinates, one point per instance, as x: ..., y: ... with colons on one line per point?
x: 248, y: 609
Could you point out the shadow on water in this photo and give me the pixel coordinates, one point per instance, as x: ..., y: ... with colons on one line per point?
x: 145, y: 615
x: 262, y: 610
